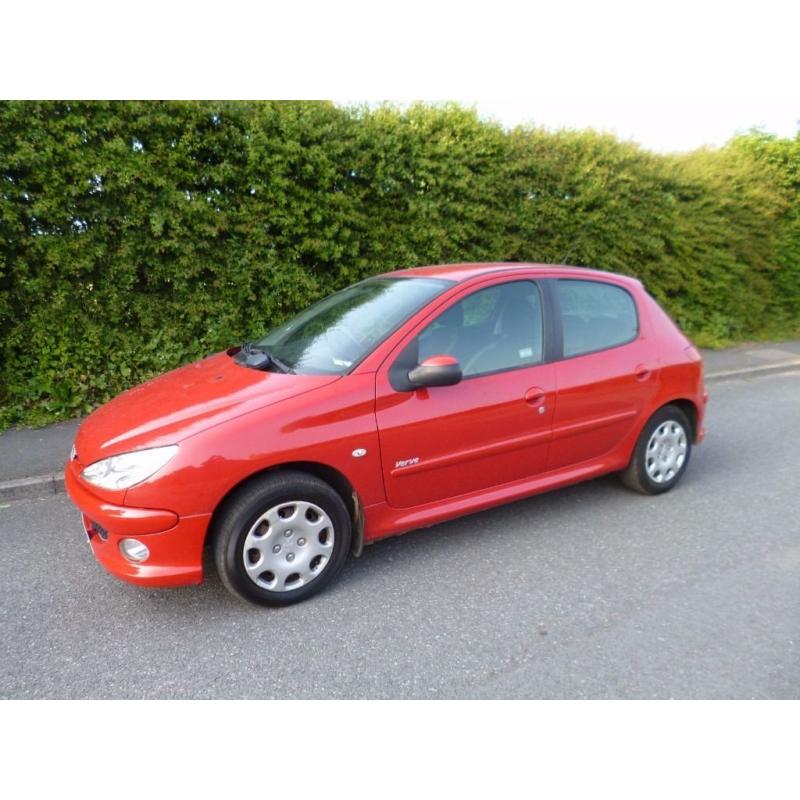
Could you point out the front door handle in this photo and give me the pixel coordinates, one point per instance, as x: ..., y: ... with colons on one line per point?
x: 642, y: 372
x: 535, y: 398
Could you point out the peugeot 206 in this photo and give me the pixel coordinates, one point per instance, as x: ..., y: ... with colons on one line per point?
x: 404, y: 400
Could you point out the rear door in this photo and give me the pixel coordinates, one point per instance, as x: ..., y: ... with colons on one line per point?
x: 607, y: 376
x: 491, y: 428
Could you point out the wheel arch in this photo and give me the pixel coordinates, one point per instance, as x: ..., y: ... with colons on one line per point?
x: 689, y: 408
x: 684, y: 404
x: 335, y: 479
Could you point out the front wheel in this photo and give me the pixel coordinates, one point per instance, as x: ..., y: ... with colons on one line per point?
x: 661, y: 454
x: 281, y: 538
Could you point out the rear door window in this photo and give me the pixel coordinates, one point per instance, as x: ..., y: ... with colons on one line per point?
x: 595, y: 316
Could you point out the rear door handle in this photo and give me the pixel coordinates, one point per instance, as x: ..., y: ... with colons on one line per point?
x: 642, y: 372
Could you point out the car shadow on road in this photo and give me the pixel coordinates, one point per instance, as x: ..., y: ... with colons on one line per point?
x: 540, y: 513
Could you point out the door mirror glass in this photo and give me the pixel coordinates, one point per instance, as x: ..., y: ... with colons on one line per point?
x: 439, y: 370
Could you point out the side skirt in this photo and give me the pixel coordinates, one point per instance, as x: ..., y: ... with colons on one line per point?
x: 381, y: 520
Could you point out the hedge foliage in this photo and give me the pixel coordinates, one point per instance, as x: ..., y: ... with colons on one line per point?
x: 135, y: 236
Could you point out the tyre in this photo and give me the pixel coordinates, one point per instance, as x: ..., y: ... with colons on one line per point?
x: 281, y: 538
x: 661, y: 454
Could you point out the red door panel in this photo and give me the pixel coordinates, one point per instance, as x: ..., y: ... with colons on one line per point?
x: 446, y: 441
x: 601, y: 398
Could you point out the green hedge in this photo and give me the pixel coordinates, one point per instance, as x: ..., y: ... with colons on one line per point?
x: 136, y: 236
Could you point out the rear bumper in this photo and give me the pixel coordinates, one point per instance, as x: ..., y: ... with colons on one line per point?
x: 175, y: 543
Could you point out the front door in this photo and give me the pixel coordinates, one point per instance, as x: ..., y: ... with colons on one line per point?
x: 490, y: 429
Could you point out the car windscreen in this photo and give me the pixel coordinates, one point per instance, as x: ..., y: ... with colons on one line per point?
x: 335, y: 334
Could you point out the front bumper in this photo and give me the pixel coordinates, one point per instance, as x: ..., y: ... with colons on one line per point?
x: 175, y: 543
x: 700, y: 433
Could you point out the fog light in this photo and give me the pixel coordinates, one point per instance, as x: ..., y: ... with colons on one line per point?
x: 134, y: 550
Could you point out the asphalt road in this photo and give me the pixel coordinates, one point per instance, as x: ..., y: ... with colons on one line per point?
x: 588, y: 592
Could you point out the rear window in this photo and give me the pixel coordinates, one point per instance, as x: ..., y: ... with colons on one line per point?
x: 595, y: 316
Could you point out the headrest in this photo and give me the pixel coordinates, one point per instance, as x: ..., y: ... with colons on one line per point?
x: 453, y: 317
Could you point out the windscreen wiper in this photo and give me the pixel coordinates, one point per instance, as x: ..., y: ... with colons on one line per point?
x: 258, y: 357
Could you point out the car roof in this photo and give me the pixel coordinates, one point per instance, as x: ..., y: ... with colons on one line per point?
x: 459, y: 273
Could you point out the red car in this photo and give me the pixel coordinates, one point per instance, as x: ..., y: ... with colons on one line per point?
x: 402, y: 401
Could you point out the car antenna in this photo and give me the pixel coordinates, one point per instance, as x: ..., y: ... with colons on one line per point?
x: 575, y: 240
x: 580, y: 230
x: 569, y: 252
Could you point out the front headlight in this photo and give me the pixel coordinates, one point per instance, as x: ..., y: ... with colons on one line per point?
x: 128, y: 469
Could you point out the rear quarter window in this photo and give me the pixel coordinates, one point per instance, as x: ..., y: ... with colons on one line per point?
x: 595, y: 316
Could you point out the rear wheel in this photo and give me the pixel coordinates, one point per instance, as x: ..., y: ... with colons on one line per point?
x: 281, y: 539
x: 661, y: 454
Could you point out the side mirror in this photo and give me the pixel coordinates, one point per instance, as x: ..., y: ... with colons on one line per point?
x: 436, y: 371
